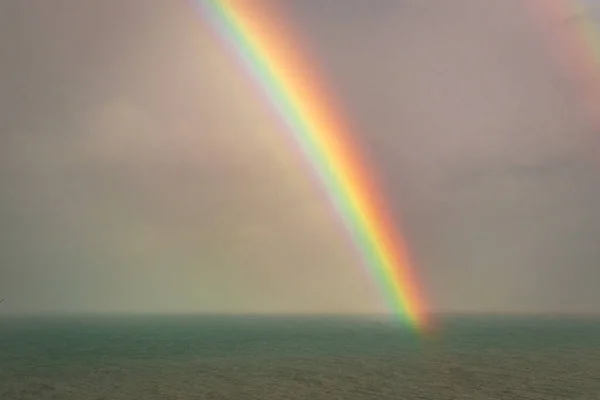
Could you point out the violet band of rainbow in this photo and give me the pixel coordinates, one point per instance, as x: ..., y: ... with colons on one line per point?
x: 278, y: 64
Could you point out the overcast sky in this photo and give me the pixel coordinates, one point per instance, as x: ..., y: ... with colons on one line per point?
x: 140, y: 170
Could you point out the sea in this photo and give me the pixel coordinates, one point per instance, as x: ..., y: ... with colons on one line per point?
x: 115, y: 357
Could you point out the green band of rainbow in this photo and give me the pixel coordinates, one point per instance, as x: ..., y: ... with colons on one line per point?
x: 274, y: 59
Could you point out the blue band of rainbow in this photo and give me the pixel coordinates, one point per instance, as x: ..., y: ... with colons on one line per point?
x: 274, y: 59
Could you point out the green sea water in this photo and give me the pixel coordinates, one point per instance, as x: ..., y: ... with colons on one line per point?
x: 328, y: 357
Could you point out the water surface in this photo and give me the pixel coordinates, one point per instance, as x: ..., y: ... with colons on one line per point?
x: 330, y: 357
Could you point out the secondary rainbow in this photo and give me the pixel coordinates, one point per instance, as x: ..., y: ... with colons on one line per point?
x: 574, y: 38
x: 273, y: 56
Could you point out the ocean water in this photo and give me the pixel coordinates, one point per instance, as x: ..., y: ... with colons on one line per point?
x: 212, y: 357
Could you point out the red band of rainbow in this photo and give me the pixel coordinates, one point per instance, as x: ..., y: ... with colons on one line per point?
x: 278, y: 63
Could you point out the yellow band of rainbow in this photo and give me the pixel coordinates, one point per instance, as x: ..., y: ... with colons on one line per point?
x: 278, y: 63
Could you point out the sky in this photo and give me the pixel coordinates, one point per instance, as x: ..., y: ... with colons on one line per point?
x: 142, y: 172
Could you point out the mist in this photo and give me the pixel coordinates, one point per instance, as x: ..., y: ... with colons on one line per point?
x: 141, y: 171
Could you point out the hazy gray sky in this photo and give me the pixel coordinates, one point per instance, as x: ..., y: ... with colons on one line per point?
x: 141, y: 172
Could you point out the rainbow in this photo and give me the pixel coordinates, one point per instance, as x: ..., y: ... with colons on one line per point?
x: 575, y: 41
x: 267, y: 49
